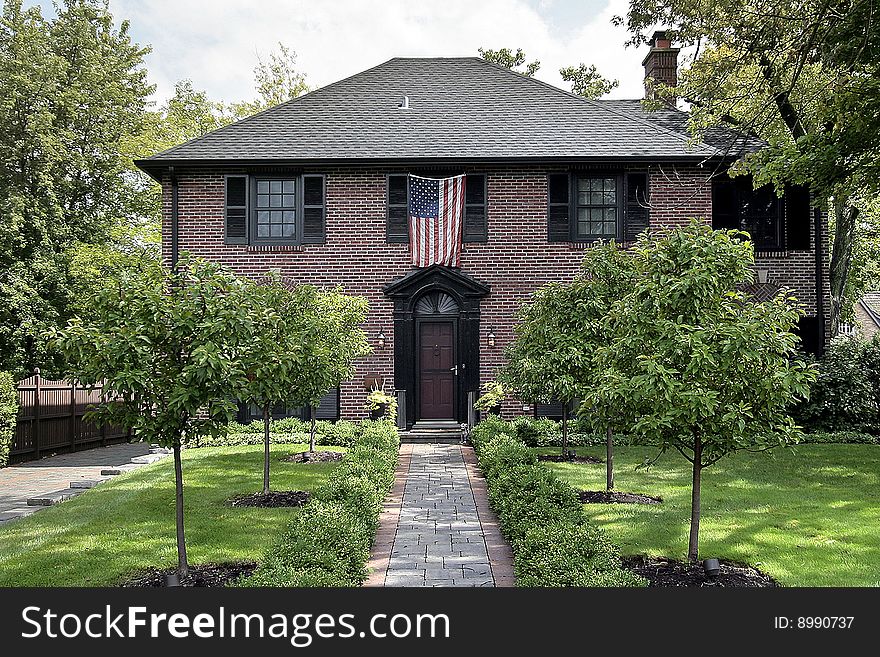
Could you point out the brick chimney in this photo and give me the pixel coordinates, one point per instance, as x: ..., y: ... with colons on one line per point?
x: 661, y: 63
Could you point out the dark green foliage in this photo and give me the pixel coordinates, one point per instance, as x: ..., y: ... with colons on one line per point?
x: 8, y: 414
x: 846, y: 396
x: 553, y: 543
x: 840, y: 437
x: 564, y: 554
x: 285, y: 431
x: 328, y: 542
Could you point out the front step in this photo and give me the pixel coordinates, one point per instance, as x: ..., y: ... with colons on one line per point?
x: 439, y: 436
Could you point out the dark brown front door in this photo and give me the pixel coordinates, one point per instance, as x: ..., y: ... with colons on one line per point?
x: 436, y: 378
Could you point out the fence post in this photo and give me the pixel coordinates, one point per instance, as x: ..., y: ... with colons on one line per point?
x: 103, y: 424
x: 72, y: 415
x: 37, y: 432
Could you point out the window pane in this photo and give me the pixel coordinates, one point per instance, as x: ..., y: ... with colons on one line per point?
x: 583, y: 198
x: 287, y: 201
x: 287, y: 230
x: 583, y: 228
x: 610, y: 229
x: 275, y: 186
x: 583, y: 184
x: 288, y: 216
x: 610, y: 198
x: 611, y: 215
x: 610, y: 184
x: 276, y: 217
x: 276, y: 230
x: 287, y: 186
x: 263, y: 187
x: 596, y: 184
x: 596, y: 198
x: 275, y: 201
x: 262, y: 200
x: 262, y: 231
x: 262, y: 217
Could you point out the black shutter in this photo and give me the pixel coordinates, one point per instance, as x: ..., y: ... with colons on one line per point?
x: 553, y: 410
x: 797, y: 217
x: 725, y: 204
x: 313, y: 209
x: 476, y: 227
x: 636, y: 211
x: 236, y: 210
x: 397, y: 223
x: 328, y: 407
x: 558, y: 208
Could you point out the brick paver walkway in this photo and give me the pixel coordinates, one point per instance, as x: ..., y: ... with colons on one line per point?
x: 434, y: 531
x: 20, y: 482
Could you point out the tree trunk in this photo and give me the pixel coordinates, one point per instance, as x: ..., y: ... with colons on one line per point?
x: 564, y: 431
x: 845, y: 216
x: 312, y: 435
x: 694, y: 539
x: 609, y: 460
x: 182, y: 564
x: 266, y: 419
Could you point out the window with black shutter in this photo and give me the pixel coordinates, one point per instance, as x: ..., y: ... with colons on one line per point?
x: 475, y: 216
x: 585, y: 207
x: 758, y: 212
x: 396, y: 226
x: 797, y: 217
x: 236, y: 210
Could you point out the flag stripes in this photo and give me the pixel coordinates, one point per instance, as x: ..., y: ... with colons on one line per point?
x: 436, y: 208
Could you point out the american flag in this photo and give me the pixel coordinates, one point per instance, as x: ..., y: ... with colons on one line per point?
x: 435, y: 210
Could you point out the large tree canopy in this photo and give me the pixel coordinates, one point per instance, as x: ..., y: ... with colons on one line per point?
x: 803, y: 75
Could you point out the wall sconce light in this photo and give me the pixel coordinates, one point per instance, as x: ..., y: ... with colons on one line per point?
x: 381, y: 339
x: 763, y: 275
x: 491, y: 338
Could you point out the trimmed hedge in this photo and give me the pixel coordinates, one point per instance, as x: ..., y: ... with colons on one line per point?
x: 8, y: 415
x: 544, y: 432
x: 328, y: 542
x: 553, y: 543
x: 342, y: 433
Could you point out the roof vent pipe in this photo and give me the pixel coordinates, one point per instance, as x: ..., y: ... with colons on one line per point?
x: 404, y: 103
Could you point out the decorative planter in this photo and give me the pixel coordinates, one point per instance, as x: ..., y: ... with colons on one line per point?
x: 379, y: 412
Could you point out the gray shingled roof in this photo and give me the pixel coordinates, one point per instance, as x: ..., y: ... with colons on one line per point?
x: 461, y: 109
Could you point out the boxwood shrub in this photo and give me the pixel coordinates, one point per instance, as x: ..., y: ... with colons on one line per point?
x: 8, y: 415
x: 342, y: 433
x: 553, y: 543
x: 328, y: 542
x: 544, y: 432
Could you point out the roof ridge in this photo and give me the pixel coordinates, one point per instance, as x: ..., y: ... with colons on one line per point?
x: 596, y: 103
x: 269, y: 109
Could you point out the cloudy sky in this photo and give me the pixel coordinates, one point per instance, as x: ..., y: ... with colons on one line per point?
x: 215, y: 43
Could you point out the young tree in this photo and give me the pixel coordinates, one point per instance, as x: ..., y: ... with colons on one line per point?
x: 552, y: 354
x: 278, y: 351
x: 586, y: 81
x: 167, y: 347
x: 692, y: 363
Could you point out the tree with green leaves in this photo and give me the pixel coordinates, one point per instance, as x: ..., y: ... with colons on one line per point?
x: 277, y: 81
x: 551, y: 357
x: 71, y: 89
x: 167, y: 346
x: 802, y: 75
x: 692, y: 364
x: 586, y: 81
x: 508, y: 59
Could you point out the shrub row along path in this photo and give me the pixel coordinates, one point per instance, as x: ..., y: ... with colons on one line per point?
x: 437, y: 529
x: 55, y: 478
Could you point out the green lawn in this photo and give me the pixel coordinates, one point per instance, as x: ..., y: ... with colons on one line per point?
x: 808, y: 518
x: 127, y: 524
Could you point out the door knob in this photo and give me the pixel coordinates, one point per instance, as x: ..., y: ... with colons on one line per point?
x: 454, y: 370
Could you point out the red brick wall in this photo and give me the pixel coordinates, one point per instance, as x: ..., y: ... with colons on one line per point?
x: 515, y: 261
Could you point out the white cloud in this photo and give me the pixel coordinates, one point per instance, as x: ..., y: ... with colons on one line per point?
x: 215, y: 42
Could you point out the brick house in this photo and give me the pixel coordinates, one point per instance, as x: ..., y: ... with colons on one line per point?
x: 316, y: 189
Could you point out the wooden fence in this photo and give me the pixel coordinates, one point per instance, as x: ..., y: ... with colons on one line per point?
x: 50, y: 419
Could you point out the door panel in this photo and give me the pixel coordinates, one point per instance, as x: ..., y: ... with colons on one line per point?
x: 436, y: 380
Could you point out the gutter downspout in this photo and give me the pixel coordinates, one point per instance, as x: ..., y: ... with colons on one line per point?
x: 175, y: 244
x: 820, y: 303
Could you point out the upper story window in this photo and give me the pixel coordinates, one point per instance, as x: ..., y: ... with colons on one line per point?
x: 586, y: 206
x: 474, y: 221
x: 275, y: 209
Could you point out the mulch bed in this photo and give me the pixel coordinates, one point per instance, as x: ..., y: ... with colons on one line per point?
x: 668, y: 572
x: 209, y: 574
x: 614, y: 497
x: 323, y: 456
x: 559, y: 458
x: 272, y: 500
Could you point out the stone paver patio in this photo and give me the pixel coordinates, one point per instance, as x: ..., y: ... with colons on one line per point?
x: 435, y: 531
x: 24, y: 481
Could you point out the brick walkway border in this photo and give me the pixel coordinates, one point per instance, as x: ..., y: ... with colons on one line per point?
x: 380, y: 554
x: 500, y: 554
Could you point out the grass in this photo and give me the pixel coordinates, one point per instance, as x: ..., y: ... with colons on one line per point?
x: 807, y: 517
x: 127, y: 524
